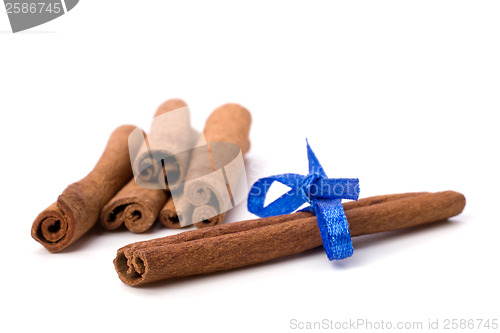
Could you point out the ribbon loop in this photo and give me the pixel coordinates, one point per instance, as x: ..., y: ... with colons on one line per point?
x: 324, y: 196
x: 285, y: 204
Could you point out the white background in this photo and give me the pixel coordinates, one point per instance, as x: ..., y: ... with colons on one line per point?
x: 402, y: 95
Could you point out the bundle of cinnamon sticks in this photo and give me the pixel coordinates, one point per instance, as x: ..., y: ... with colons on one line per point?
x: 122, y: 190
x: 112, y: 195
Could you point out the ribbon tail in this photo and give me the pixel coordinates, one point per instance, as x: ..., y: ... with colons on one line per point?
x: 334, y: 228
x: 314, y: 165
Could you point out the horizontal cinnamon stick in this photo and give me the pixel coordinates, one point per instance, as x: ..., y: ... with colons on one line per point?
x: 251, y: 242
x: 250, y: 224
x: 77, y: 208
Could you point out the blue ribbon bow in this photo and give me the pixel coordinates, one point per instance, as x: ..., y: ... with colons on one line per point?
x: 324, y: 196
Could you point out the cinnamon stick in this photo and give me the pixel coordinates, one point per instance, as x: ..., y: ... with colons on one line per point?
x: 171, y: 215
x: 245, y: 225
x: 165, y: 153
x: 134, y: 206
x: 138, y: 204
x: 77, y: 208
x: 255, y: 241
x: 228, y: 123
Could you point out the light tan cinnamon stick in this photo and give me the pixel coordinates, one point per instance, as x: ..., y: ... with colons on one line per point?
x: 77, y: 208
x: 164, y: 150
x: 251, y: 242
x: 228, y: 123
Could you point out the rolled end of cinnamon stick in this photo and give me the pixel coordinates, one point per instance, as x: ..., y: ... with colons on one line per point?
x: 138, y: 217
x: 132, y: 212
x: 229, y: 123
x: 130, y: 268
x: 172, y: 216
x: 162, y: 157
x: 51, y: 228
x: 134, y: 206
x: 112, y: 216
x: 207, y: 216
x: 197, y: 192
x: 77, y: 208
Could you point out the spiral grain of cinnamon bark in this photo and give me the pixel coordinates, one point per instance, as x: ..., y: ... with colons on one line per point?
x: 77, y: 209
